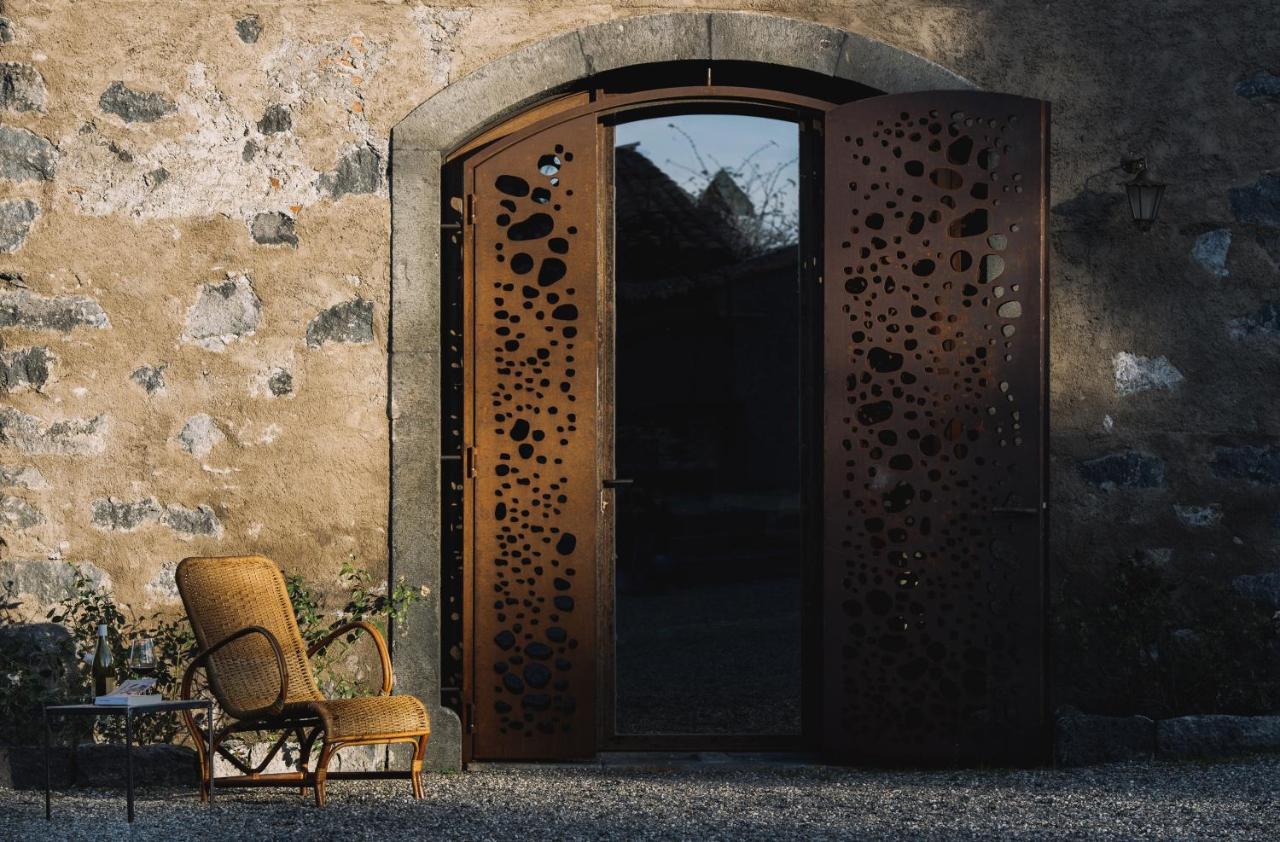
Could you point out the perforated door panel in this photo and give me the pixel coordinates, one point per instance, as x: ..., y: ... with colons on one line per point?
x: 934, y: 429
x: 533, y: 484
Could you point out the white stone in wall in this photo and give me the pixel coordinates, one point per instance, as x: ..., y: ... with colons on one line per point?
x: 115, y: 515
x: 200, y: 435
x: 32, y: 311
x: 22, y: 476
x: 30, y: 434
x: 439, y: 29
x: 223, y: 313
x: 162, y: 588
x: 16, y: 513
x: 225, y: 164
x: 44, y: 581
x: 1136, y: 374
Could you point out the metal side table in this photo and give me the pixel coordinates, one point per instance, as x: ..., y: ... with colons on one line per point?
x: 168, y: 706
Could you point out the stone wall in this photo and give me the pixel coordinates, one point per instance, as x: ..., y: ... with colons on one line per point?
x: 195, y: 281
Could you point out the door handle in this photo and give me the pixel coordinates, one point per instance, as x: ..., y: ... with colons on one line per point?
x: 1014, y: 510
x: 618, y: 483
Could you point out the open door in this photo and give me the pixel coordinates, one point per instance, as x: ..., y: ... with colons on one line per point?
x: 532, y: 438
x: 934, y: 429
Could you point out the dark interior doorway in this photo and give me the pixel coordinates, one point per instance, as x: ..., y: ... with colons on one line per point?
x: 708, y: 530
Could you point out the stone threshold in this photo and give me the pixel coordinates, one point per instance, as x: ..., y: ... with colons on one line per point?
x: 1082, y: 739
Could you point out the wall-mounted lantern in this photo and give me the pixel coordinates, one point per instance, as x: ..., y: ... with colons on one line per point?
x: 1143, y: 191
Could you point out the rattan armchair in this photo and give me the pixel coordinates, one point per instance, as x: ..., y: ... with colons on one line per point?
x: 259, y: 671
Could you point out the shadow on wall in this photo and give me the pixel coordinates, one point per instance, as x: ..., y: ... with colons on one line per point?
x: 1165, y: 453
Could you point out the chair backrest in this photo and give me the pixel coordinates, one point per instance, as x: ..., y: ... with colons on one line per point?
x: 223, y: 595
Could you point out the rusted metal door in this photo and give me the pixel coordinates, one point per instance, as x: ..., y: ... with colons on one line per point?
x: 934, y: 429
x: 532, y: 484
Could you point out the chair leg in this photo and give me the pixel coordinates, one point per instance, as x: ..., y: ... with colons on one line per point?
x: 305, y: 742
x: 322, y: 770
x: 419, y: 753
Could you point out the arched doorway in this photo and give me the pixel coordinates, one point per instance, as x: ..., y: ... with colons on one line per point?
x: 531, y: 478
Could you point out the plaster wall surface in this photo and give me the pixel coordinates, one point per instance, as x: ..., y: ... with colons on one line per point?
x: 196, y: 288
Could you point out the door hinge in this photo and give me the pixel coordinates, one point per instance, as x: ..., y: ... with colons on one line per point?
x: 471, y: 718
x: 470, y: 467
x: 471, y: 208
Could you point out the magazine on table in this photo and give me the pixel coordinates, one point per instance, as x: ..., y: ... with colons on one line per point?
x: 135, y: 692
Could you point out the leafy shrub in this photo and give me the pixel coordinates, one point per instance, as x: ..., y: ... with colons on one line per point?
x: 61, y: 671
x: 1138, y: 638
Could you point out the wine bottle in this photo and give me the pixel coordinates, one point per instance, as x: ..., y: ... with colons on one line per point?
x: 104, y: 679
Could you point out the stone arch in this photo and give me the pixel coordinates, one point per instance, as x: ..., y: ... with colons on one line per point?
x: 418, y: 145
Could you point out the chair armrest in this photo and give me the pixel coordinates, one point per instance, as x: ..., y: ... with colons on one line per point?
x: 270, y: 710
x: 356, y: 625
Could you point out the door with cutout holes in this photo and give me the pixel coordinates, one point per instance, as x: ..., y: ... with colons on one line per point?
x: 533, y: 485
x: 933, y: 434
x: 934, y: 429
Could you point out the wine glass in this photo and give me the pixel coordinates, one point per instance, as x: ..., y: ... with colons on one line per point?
x: 142, y: 656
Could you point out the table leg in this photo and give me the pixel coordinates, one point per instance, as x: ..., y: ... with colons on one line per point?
x: 209, y: 723
x: 48, y: 747
x: 128, y: 758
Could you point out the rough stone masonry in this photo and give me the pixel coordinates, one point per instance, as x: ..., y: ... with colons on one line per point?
x: 195, y: 282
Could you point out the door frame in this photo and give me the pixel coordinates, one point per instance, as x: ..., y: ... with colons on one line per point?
x: 608, y: 105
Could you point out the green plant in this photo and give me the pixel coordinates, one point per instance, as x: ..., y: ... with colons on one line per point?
x: 336, y: 670
x: 85, y: 607
x: 1136, y: 637
x: 59, y: 669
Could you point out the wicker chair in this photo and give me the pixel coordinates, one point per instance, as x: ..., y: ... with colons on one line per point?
x: 259, y: 671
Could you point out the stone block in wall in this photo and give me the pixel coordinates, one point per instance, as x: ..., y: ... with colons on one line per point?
x: 1210, y: 251
x: 249, y: 28
x: 1187, y: 737
x: 22, y: 767
x: 1083, y: 739
x: 348, y: 322
x: 25, y: 367
x: 1256, y: 464
x: 17, y: 513
x: 45, y: 582
x: 1263, y: 588
x: 1261, y: 85
x: 273, y: 229
x: 22, y: 476
x: 1135, y: 373
x: 46, y: 649
x: 99, y: 765
x: 1257, y: 203
x: 16, y: 218
x: 21, y: 87
x: 1263, y: 323
x: 135, y: 106
x: 1126, y: 469
x: 149, y: 377
x: 359, y: 171
x: 737, y: 36
x: 223, y: 313
x: 352, y: 759
x: 25, y: 155
x: 102, y: 765
x: 23, y: 308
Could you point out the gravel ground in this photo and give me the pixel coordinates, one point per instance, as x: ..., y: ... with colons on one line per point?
x: 721, y: 658
x: 1236, y: 800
